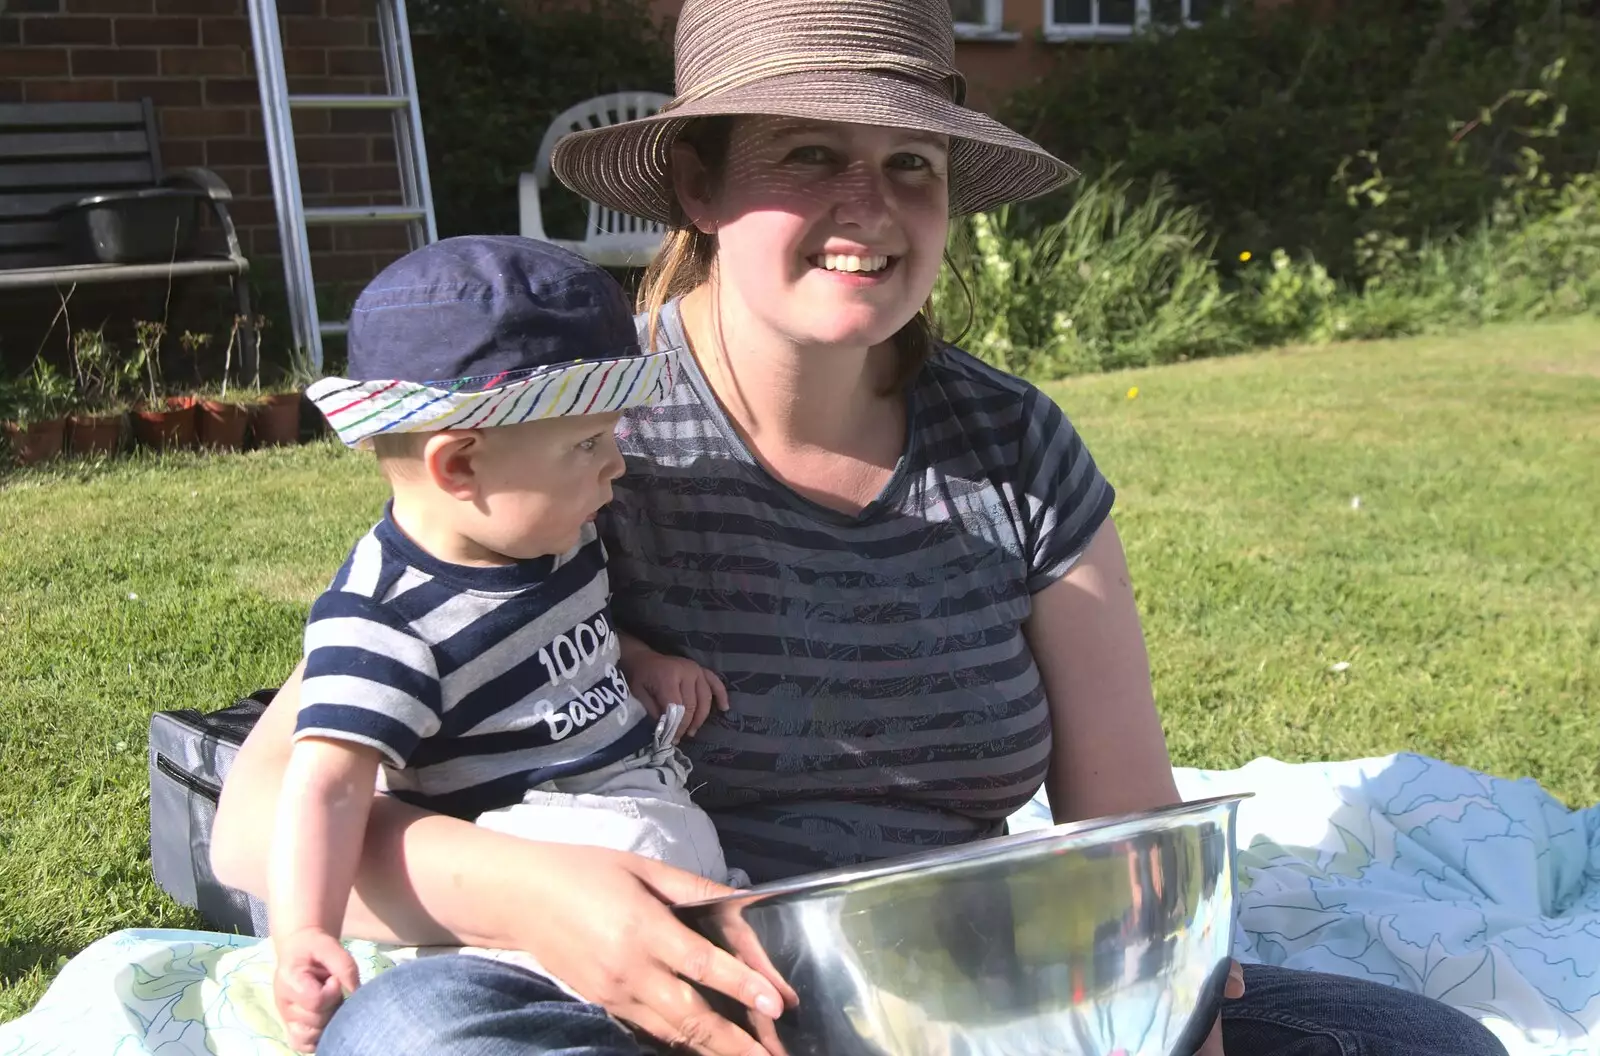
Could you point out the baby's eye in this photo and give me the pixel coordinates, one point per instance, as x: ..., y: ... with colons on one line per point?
x: 588, y: 445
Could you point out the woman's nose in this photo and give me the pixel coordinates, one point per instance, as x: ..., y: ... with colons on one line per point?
x: 861, y: 198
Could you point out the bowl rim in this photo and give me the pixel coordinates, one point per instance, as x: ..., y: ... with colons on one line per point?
x: 1063, y: 836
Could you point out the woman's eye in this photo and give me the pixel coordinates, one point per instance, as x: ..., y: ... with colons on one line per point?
x: 913, y: 162
x: 810, y: 155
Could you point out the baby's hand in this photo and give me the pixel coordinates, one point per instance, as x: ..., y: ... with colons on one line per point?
x: 659, y: 680
x: 313, y: 975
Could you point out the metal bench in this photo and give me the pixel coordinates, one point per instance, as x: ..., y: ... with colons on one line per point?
x: 52, y: 154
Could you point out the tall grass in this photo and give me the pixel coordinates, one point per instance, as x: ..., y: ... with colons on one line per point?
x: 1127, y: 278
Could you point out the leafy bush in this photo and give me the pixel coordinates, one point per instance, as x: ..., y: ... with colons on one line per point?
x: 492, y: 76
x: 1273, y: 119
x: 1118, y: 281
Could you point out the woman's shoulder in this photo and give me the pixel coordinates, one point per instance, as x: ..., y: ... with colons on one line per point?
x: 978, y: 397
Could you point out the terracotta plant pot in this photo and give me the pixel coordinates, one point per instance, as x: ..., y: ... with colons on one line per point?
x: 168, y: 425
x: 222, y: 425
x: 38, y: 442
x: 276, y: 420
x: 94, y: 434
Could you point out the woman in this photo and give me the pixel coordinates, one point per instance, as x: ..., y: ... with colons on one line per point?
x: 899, y: 561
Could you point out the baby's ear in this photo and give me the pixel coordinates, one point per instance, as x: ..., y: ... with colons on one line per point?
x: 450, y: 459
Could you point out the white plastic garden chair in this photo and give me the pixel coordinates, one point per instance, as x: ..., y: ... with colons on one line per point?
x: 612, y: 239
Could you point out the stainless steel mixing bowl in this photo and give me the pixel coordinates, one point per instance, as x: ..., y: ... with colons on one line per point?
x: 1103, y: 937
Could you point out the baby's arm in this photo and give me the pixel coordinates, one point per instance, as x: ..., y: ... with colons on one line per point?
x: 660, y: 680
x: 327, y: 793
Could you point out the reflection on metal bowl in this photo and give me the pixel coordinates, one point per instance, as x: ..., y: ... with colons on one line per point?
x: 1103, y: 937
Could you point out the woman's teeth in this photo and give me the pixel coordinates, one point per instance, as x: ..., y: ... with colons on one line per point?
x: 848, y: 263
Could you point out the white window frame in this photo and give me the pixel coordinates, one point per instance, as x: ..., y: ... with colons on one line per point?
x: 1054, y: 30
x: 991, y: 26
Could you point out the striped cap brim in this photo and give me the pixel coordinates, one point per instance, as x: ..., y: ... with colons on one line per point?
x: 359, y: 410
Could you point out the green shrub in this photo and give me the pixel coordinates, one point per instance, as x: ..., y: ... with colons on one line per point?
x: 1272, y: 120
x: 491, y: 77
x: 1119, y: 280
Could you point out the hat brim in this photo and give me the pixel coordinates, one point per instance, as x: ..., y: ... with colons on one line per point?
x: 360, y: 410
x: 626, y: 166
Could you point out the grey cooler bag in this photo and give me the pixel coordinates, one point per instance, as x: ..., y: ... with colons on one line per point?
x: 190, y: 753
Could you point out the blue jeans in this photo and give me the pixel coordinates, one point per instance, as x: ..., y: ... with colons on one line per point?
x: 472, y: 1006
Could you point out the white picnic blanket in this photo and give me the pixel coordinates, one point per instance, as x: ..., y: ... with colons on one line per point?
x: 1479, y: 891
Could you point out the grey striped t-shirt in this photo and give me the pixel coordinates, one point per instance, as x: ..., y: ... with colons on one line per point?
x: 884, y: 699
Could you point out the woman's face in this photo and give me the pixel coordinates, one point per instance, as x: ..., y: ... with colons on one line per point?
x: 831, y: 234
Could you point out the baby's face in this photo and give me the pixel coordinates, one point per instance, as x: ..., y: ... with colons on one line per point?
x: 541, y: 482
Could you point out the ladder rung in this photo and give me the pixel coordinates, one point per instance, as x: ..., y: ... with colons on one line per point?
x: 363, y: 214
x: 349, y: 102
x: 338, y: 329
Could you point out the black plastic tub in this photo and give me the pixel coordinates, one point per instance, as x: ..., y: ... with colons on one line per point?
x: 130, y: 227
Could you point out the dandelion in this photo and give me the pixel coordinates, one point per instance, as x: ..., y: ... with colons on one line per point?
x: 1244, y: 258
x: 1133, y: 393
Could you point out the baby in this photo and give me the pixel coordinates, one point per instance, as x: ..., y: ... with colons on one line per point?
x: 464, y: 657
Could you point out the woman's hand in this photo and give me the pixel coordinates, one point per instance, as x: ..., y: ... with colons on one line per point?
x: 1231, y: 990
x: 659, y: 680
x: 619, y: 945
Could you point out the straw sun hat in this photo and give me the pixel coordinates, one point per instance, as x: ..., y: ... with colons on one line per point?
x: 871, y: 62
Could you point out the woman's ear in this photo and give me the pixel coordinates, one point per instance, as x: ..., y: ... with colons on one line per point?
x: 449, y: 459
x: 692, y: 183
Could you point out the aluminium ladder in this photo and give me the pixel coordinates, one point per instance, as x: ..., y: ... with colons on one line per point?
x: 415, y: 210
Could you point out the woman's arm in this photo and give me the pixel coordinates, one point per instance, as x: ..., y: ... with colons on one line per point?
x: 1109, y: 754
x: 427, y: 879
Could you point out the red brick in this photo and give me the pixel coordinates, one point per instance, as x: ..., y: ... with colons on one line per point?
x: 162, y: 93
x: 363, y: 122
x: 203, y: 122
x: 44, y: 7
x: 236, y: 152
x: 331, y: 150
x: 324, y: 32
x: 388, y: 238
x: 10, y: 91
x: 10, y: 33
x: 69, y: 91
x: 231, y: 32
x: 357, y: 179
x: 241, y: 91
x: 203, y: 7
x: 160, y: 31
x: 111, y: 7
x: 183, y: 153
x: 202, y: 62
x: 328, y: 85
x: 309, y: 8
x: 237, y: 177
x: 306, y: 123
x: 348, y: 8
x: 37, y: 62
x: 113, y: 62
x: 382, y: 148
x: 68, y: 29
x: 305, y: 62
x: 253, y: 211
x: 355, y: 62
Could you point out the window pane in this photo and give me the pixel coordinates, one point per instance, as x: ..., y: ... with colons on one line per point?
x: 973, y: 11
x: 1116, y: 12
x: 1166, y: 12
x: 1074, y: 12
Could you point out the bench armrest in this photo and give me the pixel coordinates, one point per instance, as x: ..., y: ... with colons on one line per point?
x: 202, y: 179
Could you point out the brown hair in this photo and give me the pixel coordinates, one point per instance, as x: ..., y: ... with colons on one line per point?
x: 687, y: 255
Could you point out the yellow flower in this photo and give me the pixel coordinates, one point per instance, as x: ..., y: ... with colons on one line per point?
x: 1133, y: 393
x: 1245, y: 256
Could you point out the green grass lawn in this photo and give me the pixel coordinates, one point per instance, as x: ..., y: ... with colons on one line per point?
x: 1463, y: 592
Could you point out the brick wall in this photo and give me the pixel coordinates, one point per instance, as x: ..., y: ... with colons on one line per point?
x: 194, y: 59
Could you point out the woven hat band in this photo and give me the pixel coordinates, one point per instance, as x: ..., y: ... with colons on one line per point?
x: 947, y: 81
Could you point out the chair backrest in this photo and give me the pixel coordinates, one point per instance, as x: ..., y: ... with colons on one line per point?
x: 54, y: 153
x: 598, y: 112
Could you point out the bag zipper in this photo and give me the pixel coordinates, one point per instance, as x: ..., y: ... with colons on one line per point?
x: 200, y: 787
